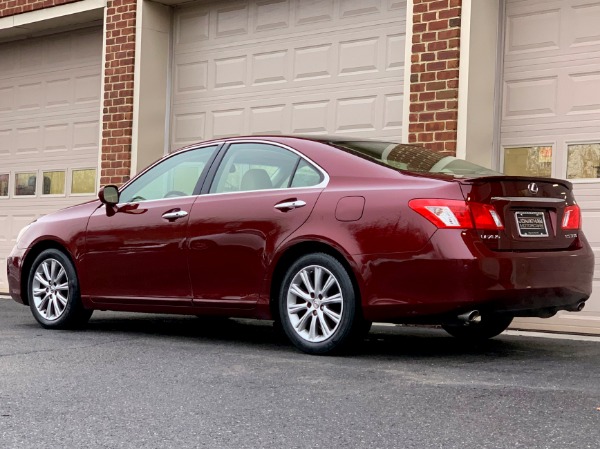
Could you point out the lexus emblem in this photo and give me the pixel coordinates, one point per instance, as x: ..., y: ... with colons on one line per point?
x: 533, y: 188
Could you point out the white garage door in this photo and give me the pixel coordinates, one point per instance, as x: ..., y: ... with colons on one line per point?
x: 551, y: 114
x: 288, y: 66
x: 49, y: 128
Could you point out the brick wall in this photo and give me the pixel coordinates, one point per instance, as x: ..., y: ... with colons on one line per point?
x: 12, y: 7
x: 434, y: 74
x: 118, y: 92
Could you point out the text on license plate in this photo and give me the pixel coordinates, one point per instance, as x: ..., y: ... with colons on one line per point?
x: 531, y: 224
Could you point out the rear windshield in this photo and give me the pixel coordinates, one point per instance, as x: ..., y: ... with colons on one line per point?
x: 413, y: 158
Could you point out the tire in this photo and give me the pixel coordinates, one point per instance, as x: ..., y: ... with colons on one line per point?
x: 53, y: 292
x: 488, y: 327
x: 319, y: 320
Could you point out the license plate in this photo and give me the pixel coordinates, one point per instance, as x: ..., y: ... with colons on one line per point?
x: 531, y: 224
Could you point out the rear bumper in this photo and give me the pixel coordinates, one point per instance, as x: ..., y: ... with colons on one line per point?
x: 14, y: 265
x: 455, y: 273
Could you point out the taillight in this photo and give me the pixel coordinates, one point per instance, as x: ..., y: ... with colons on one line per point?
x: 485, y: 216
x: 458, y: 214
x: 571, y: 217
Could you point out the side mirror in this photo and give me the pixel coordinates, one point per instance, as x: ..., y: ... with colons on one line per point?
x: 109, y: 195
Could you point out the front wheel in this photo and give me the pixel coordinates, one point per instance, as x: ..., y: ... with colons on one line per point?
x: 53, y: 291
x: 488, y: 327
x: 318, y: 305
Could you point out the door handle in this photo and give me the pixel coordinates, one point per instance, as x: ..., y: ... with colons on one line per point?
x: 289, y: 205
x: 174, y: 215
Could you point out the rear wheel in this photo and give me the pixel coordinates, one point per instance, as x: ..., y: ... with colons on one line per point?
x: 53, y: 291
x: 318, y: 305
x: 488, y: 327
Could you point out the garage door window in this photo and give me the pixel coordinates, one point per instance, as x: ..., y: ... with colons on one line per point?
x: 53, y: 183
x: 83, y: 181
x: 583, y: 161
x: 4, y: 185
x: 25, y: 184
x: 528, y: 161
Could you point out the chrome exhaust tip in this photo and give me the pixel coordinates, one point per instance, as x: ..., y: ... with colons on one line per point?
x: 470, y: 317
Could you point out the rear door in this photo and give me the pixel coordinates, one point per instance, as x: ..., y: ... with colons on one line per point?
x: 532, y: 211
x: 260, y: 194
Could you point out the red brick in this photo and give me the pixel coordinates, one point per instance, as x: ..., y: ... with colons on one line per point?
x: 437, y: 45
x: 437, y: 25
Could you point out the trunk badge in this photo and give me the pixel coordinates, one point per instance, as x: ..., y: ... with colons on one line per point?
x: 533, y: 188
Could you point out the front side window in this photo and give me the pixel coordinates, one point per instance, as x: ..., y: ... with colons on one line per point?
x: 176, y: 176
x: 254, y: 166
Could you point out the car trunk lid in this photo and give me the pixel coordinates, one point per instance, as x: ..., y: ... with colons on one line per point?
x: 533, y: 211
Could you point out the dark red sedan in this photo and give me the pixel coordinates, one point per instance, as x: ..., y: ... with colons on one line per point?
x: 323, y: 234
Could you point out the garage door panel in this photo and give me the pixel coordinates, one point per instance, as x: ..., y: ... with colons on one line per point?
x: 551, y: 96
x: 365, y: 110
x: 552, y: 29
x: 49, y: 121
x: 228, y: 23
x: 293, y: 67
x: 306, y: 64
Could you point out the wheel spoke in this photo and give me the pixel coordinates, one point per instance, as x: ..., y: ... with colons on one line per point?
x: 302, y: 323
x: 61, y: 273
x: 295, y: 308
x: 38, y: 291
x: 53, y: 270
x: 41, y: 280
x: 324, y: 326
x: 63, y: 286
x: 318, y: 274
x: 335, y: 299
x: 312, y: 332
x: 296, y: 290
x: 46, y: 271
x: 61, y: 299
x: 306, y: 281
x: 44, y: 302
x: 328, y: 283
x: 331, y: 315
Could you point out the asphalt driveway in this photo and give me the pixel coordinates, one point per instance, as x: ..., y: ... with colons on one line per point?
x: 138, y: 380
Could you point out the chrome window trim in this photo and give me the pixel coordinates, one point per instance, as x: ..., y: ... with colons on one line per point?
x: 324, y: 183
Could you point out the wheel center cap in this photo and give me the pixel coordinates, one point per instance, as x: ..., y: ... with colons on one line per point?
x: 317, y: 303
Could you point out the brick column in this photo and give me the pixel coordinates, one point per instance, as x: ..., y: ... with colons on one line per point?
x: 12, y: 7
x: 434, y: 74
x: 117, y: 112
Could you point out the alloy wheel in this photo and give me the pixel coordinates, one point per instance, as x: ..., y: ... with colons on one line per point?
x: 50, y: 289
x: 315, y: 303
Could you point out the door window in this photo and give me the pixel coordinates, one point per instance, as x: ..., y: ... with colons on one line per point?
x: 175, y: 176
x: 259, y: 166
x: 306, y: 175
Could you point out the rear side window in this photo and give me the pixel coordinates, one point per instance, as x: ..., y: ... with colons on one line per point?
x: 413, y: 158
x: 306, y: 175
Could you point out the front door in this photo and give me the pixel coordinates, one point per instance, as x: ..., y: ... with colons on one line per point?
x: 135, y: 252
